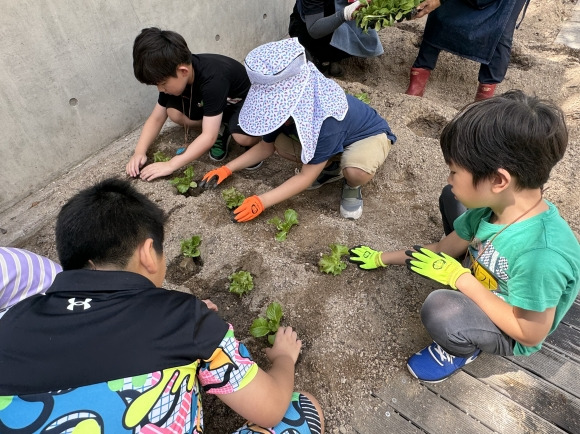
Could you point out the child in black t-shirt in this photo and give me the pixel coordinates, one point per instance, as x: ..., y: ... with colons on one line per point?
x: 198, y: 91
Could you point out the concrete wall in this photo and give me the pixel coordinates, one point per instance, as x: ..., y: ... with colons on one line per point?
x: 66, y: 80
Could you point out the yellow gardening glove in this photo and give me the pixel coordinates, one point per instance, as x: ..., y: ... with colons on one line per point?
x: 439, y: 267
x: 366, y: 258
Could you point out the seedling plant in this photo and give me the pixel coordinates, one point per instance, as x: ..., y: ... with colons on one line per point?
x: 283, y: 226
x: 332, y: 263
x: 241, y: 282
x: 190, y: 247
x: 268, y: 325
x: 364, y: 97
x: 184, y: 183
x: 160, y: 157
x: 232, y: 197
x: 379, y: 14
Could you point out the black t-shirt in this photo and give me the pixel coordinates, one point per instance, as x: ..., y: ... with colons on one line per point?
x: 216, y: 79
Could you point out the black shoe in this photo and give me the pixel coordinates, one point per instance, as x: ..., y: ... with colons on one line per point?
x: 220, y: 148
x: 255, y: 166
x: 335, y: 70
x: 331, y: 173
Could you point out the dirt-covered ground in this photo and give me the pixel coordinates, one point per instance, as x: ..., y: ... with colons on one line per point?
x: 358, y: 328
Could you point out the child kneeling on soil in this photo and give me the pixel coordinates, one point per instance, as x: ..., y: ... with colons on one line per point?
x: 124, y: 354
x: 195, y: 90
x: 305, y: 117
x: 521, y: 271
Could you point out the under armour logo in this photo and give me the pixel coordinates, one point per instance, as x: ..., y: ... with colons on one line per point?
x: 72, y: 303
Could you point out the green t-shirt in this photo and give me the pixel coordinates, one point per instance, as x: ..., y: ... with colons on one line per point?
x: 533, y: 264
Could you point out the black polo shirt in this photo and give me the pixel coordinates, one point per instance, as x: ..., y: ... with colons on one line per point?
x: 95, y: 326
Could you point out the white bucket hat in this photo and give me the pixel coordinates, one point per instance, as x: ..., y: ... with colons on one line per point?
x: 284, y: 85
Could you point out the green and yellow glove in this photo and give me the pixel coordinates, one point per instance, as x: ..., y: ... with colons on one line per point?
x: 439, y: 267
x: 366, y: 258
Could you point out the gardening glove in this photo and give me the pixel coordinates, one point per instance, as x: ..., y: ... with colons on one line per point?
x: 350, y: 9
x: 439, y: 267
x: 214, y: 177
x: 366, y: 258
x: 250, y: 208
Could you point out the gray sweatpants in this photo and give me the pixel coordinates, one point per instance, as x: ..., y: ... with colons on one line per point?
x: 458, y: 325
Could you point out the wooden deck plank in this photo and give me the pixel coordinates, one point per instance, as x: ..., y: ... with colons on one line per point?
x: 415, y: 402
x: 553, y: 367
x: 527, y: 390
x: 375, y: 416
x: 567, y: 340
x: 489, y: 406
x: 572, y: 317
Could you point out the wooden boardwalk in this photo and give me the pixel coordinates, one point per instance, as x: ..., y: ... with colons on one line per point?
x: 535, y: 394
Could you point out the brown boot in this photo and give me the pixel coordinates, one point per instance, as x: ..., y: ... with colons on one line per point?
x: 417, y: 81
x: 484, y: 91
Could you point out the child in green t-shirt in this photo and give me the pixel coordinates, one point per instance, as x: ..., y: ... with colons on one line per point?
x: 522, y: 258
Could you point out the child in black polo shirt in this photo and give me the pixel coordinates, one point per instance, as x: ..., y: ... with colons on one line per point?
x: 198, y: 91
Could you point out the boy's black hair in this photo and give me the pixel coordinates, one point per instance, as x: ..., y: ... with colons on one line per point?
x: 522, y: 134
x: 105, y: 223
x: 157, y: 54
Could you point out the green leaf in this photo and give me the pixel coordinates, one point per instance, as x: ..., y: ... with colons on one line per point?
x: 271, y: 339
x: 183, y: 183
x: 330, y: 264
x: 283, y: 226
x: 364, y: 97
x: 232, y: 197
x: 241, y: 282
x: 190, y: 247
x: 274, y: 313
x: 160, y: 157
x: 259, y: 328
x: 339, y: 250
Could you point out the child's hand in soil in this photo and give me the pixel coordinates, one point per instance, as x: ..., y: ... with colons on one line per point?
x: 135, y: 163
x: 286, y: 344
x: 156, y: 170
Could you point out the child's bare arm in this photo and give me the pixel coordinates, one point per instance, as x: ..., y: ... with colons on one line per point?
x: 210, y: 127
x: 527, y: 327
x: 151, y: 129
x: 293, y: 185
x: 265, y: 400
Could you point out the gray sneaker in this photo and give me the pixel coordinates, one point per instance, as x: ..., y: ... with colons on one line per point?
x: 351, y: 203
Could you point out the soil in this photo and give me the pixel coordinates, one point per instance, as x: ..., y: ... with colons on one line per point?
x: 357, y: 328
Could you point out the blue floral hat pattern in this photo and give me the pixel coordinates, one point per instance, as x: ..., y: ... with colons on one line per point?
x: 284, y: 85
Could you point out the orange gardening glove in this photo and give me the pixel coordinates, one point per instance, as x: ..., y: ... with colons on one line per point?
x: 214, y: 177
x: 250, y: 208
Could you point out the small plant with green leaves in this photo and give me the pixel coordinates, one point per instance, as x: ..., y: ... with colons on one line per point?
x: 241, y: 282
x: 378, y: 14
x: 160, y: 157
x: 268, y: 325
x: 283, y: 226
x: 190, y: 247
x: 332, y: 263
x: 364, y: 97
x: 232, y: 197
x: 185, y: 182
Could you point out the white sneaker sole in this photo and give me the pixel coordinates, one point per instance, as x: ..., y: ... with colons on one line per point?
x: 353, y: 215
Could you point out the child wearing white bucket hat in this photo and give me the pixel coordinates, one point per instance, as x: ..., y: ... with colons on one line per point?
x: 304, y: 116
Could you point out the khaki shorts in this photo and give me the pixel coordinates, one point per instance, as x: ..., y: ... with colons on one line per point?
x: 366, y: 154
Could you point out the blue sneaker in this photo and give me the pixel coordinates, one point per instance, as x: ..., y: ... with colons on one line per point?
x: 433, y: 364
